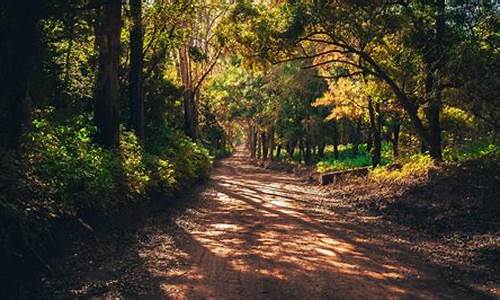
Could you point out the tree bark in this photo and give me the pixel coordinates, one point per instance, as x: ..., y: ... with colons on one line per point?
x: 278, y: 152
x: 369, y: 140
x: 136, y: 64
x: 307, y: 152
x: 375, y: 124
x: 289, y: 152
x: 107, y: 87
x: 259, y: 145
x: 18, y: 34
x: 335, y: 140
x: 264, y: 144
x: 271, y: 143
x: 395, y: 138
x: 423, y: 147
x: 435, y: 104
x: 253, y: 142
x: 189, y: 94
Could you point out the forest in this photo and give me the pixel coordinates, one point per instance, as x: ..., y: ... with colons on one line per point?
x: 182, y: 149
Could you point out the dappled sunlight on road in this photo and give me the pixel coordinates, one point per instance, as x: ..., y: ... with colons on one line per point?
x: 258, y: 239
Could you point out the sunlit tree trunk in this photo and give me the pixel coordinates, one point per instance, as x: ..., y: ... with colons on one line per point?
x: 107, y: 87
x: 189, y: 95
x: 136, y: 63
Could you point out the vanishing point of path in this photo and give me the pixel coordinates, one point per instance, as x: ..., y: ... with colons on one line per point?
x: 258, y: 234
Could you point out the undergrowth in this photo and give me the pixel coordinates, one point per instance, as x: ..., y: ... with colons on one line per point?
x: 59, y: 174
x: 347, y: 160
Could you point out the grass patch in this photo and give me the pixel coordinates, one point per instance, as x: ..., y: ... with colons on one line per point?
x: 347, y: 160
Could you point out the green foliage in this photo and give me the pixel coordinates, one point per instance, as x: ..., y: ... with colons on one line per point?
x: 192, y: 162
x: 75, y: 173
x: 347, y: 161
x: 221, y: 153
x: 162, y: 174
x: 343, y: 164
x: 472, y: 151
x: 416, y: 165
x: 61, y: 174
x: 419, y: 165
x: 135, y: 173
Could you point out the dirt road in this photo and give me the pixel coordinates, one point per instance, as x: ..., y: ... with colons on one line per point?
x: 259, y: 234
x: 262, y: 237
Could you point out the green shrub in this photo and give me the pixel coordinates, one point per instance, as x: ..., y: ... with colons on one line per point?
x: 136, y: 175
x: 162, y: 174
x: 75, y: 173
x: 192, y: 162
x: 59, y: 173
x: 416, y: 165
x: 471, y: 151
x: 347, y: 161
x: 343, y: 164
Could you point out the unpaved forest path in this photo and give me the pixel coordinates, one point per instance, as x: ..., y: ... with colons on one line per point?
x: 264, y: 236
x: 256, y: 234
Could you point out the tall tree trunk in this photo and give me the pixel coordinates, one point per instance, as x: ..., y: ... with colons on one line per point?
x: 369, y: 140
x: 271, y: 143
x: 136, y: 64
x: 278, y: 152
x: 433, y: 60
x: 259, y: 145
x: 436, y: 104
x: 433, y: 111
x: 375, y: 124
x: 189, y: 94
x: 355, y: 137
x: 264, y: 144
x: 107, y: 87
x: 395, y: 138
x: 335, y: 140
x: 18, y: 36
x: 253, y: 142
x: 301, y: 149
x: 377, y: 138
x: 307, y: 152
x: 423, y: 147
